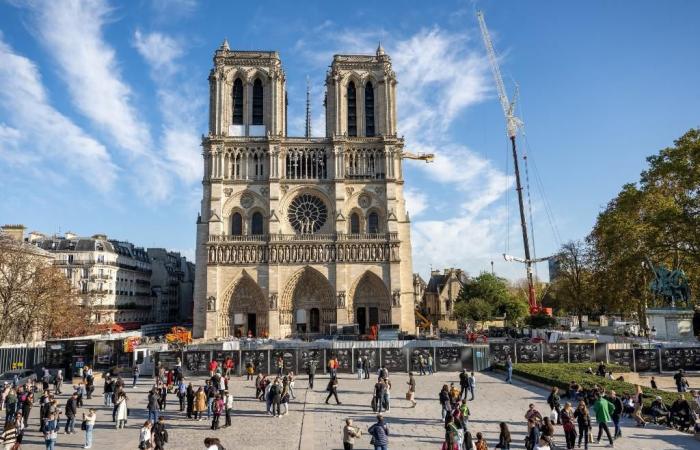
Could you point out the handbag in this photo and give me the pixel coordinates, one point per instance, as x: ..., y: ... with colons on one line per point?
x: 408, y: 395
x: 83, y: 426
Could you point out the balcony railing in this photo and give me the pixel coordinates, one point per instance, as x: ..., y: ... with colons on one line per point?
x: 264, y: 238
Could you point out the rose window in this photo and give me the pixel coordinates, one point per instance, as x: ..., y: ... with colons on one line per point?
x: 307, y: 213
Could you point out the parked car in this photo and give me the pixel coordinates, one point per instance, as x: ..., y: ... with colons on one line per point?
x: 23, y: 375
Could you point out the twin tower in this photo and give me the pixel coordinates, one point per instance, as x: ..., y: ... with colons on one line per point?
x: 302, y: 236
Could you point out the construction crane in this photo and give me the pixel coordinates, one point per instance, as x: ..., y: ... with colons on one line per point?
x: 427, y: 157
x: 513, y: 123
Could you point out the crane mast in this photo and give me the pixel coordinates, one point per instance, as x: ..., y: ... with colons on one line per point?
x: 512, y: 125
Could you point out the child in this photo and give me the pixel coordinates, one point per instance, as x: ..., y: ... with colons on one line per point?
x: 480, y: 442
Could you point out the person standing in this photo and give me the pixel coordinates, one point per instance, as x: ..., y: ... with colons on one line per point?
x: 333, y: 366
x: 213, y: 365
x: 71, y: 411
x: 554, y: 401
x: 51, y: 432
x: 145, y: 436
x: 228, y: 405
x: 463, y: 384
x: 603, y: 411
x: 291, y: 378
x: 509, y: 370
x: 584, y: 423
x: 153, y: 406
x: 350, y: 433
x: 280, y: 366
x: 159, y: 434
x: 360, y: 370
x: 275, y: 396
x: 387, y: 394
x: 429, y: 363
x: 89, y: 420
x: 9, y: 436
x: 217, y: 408
x: 421, y: 365
x: 567, y: 420
x: 379, y: 389
x: 471, y: 385
x: 58, y: 381
x: 411, y: 394
x: 311, y: 371
x: 121, y: 413
x: 380, y: 434
x: 617, y: 413
x: 367, y: 365
x: 681, y: 381
x: 135, y: 376
x: 332, y: 390
x: 444, y: 398
x: 200, y: 403
x: 182, y: 393
x: 190, y: 400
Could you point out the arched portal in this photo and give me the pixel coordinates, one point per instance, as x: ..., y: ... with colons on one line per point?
x: 370, y: 302
x: 308, y: 304
x: 244, y: 310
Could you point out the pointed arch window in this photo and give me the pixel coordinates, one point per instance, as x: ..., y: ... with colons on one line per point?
x: 369, y: 109
x: 256, y: 224
x: 238, y: 102
x: 352, y: 109
x: 257, y: 102
x: 373, y: 223
x: 355, y: 223
x: 236, y: 224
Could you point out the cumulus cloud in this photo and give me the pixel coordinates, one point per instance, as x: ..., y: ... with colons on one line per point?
x: 51, y: 135
x: 72, y: 32
x: 416, y: 201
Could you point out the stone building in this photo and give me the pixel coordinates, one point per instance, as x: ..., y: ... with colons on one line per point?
x: 440, y: 295
x: 172, y: 281
x: 300, y: 234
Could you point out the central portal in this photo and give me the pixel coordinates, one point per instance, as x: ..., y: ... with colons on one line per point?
x: 308, y: 305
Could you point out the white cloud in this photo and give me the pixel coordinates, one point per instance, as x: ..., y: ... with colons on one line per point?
x: 53, y: 137
x: 416, y: 201
x: 72, y: 32
x: 180, y: 104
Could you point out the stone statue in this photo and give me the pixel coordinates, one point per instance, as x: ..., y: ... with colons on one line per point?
x: 211, y: 303
x: 671, y: 285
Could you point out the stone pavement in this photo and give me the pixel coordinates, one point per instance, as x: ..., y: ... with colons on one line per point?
x: 311, y: 424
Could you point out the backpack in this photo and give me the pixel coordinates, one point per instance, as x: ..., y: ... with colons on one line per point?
x: 274, y: 390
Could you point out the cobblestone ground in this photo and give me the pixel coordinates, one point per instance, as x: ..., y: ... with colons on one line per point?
x: 311, y: 424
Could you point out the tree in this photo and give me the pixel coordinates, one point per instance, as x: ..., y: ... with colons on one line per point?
x: 572, y: 286
x: 474, y: 310
x: 486, y: 286
x: 486, y: 296
x: 36, y: 300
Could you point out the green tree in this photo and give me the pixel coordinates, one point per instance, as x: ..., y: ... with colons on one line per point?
x: 486, y: 286
x: 474, y: 310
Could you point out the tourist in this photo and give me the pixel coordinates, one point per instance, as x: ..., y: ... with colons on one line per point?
x: 213, y: 365
x: 9, y: 436
x: 463, y: 384
x: 567, y: 420
x: 504, y: 439
x: 367, y: 364
x: 547, y: 428
x: 145, y: 436
x: 135, y: 376
x: 332, y: 390
x: 411, y: 394
x: 107, y: 391
x: 387, y: 394
x: 190, y: 394
x: 333, y: 366
x: 464, y: 414
x: 378, y: 400
x: 429, y: 364
x: 509, y: 370
x: 152, y: 405
x: 544, y: 443
x: 213, y: 443
x: 421, y: 365
x: 210, y: 392
x: 383, y: 372
x: 89, y: 424
x: 603, y: 411
x: 181, y: 392
x: 275, y: 395
x: 285, y: 398
x: 583, y: 419
x: 27, y: 405
x: 480, y: 442
x: 380, y: 434
x: 681, y: 381
x: 51, y: 432
x: 659, y: 412
x: 217, y: 408
x: 350, y: 433
x: 10, y: 404
x: 159, y: 434
x: 121, y: 409
x: 311, y: 371
x: 681, y: 413
x: 652, y: 383
x: 58, y: 381
x: 280, y: 366
x: 554, y: 402
x: 228, y: 366
x: 444, y: 398
x: 228, y: 405
x: 71, y: 411
x: 200, y: 403
x: 533, y: 413
x: 20, y: 426
x: 249, y: 370
x: 533, y: 433
x: 360, y: 370
x: 471, y: 385
x: 617, y: 413
x: 452, y: 432
x: 639, y: 403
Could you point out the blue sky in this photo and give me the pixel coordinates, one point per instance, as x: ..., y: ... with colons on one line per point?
x: 102, y: 106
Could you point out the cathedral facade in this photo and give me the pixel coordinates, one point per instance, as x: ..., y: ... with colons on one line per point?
x: 300, y: 235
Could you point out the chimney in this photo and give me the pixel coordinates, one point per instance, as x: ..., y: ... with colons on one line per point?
x: 100, y: 236
x: 70, y: 235
x: 16, y: 232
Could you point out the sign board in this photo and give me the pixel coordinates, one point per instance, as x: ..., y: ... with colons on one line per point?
x: 372, y: 355
x: 167, y: 360
x: 308, y: 355
x: 579, y: 353
x: 687, y: 358
x: 289, y: 360
x: 56, y: 355
x: 221, y: 355
x: 394, y: 359
x: 452, y: 359
x: 415, y: 352
x: 258, y: 358
x: 622, y: 357
x: 499, y: 353
x: 646, y: 360
x: 196, y: 362
x: 344, y: 356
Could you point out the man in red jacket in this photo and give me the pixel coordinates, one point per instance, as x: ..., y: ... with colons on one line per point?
x: 212, y: 367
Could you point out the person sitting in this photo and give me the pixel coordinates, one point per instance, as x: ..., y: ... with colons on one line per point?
x: 627, y: 405
x: 659, y: 412
x: 681, y: 415
x: 589, y: 371
x: 601, y: 372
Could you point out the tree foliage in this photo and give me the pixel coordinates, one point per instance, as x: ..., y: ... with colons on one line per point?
x: 488, y: 296
x: 36, y: 300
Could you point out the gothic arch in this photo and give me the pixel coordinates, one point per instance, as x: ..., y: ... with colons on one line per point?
x: 308, y: 289
x: 242, y: 296
x: 369, y: 291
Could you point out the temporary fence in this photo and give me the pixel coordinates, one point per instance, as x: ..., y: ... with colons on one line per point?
x: 24, y: 356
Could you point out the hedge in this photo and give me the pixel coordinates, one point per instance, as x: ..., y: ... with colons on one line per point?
x: 560, y: 375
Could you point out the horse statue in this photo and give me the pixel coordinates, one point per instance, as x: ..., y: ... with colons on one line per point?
x: 671, y: 285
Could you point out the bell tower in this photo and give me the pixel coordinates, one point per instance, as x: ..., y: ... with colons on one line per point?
x: 360, y: 96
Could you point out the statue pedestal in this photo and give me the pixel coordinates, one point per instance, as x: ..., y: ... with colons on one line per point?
x: 671, y: 323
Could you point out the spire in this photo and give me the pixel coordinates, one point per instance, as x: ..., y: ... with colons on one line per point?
x: 307, y: 133
x: 380, y: 49
x: 224, y: 45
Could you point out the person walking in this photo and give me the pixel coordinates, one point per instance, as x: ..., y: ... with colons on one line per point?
x: 367, y: 364
x: 583, y: 421
x: 121, y: 413
x: 159, y: 434
x: 603, y: 411
x: 145, y: 436
x: 9, y: 436
x: 380, y: 434
x: 480, y: 443
x: 89, y: 421
x: 444, y: 398
x: 135, y: 376
x: 153, y: 406
x: 554, y: 402
x: 504, y: 439
x: 378, y: 401
x: 567, y: 420
x: 411, y: 394
x: 280, y: 366
x: 200, y: 403
x: 181, y: 390
x: 429, y: 364
x: 291, y: 378
x: 509, y: 370
x: 333, y: 366
x: 350, y: 433
x: 638, y: 404
x: 360, y: 370
x: 71, y: 411
x: 463, y: 384
x: 311, y: 371
x: 471, y: 385
x: 332, y: 390
x: 58, y: 381
x: 51, y: 432
x: 190, y: 400
x: 228, y: 407
x: 617, y: 413
x: 421, y: 365
x: 217, y: 408
x: 387, y: 395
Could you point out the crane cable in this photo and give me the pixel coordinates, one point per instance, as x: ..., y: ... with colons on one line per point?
x: 507, y: 200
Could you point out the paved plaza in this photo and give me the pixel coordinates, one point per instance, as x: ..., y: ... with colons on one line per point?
x: 311, y: 424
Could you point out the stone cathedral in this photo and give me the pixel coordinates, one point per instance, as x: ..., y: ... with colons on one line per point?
x: 301, y: 235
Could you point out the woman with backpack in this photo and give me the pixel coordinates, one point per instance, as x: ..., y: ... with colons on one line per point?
x: 145, y: 436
